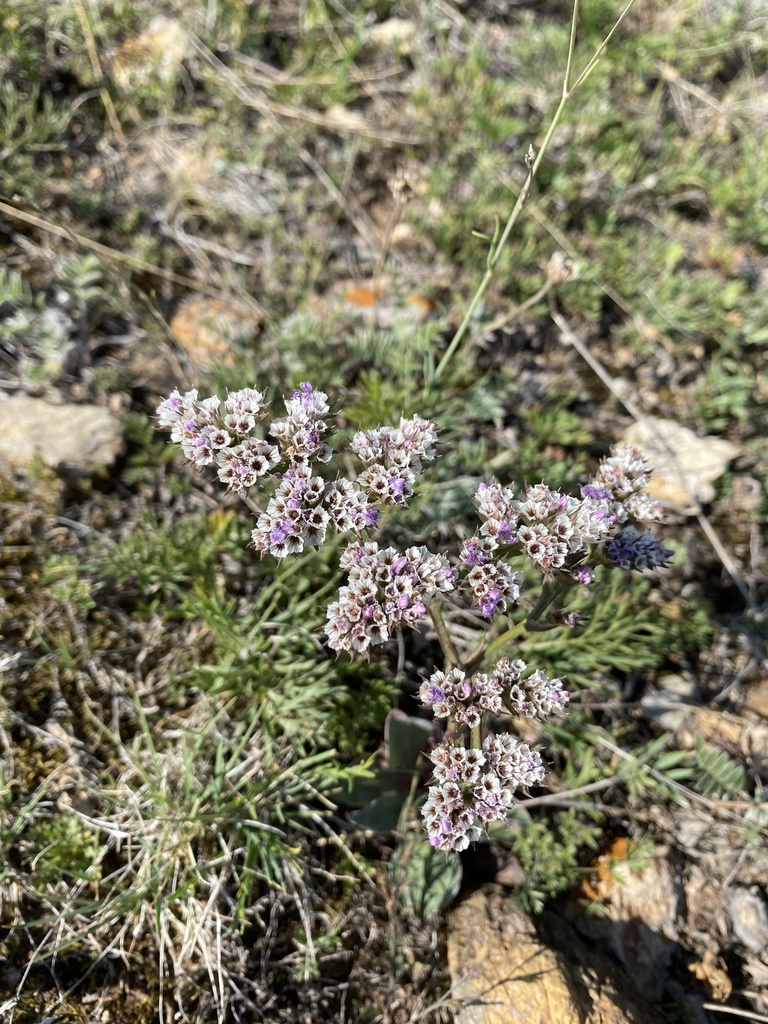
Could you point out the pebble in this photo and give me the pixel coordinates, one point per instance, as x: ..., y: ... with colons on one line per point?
x: 78, y: 439
x: 750, y: 919
x: 685, y: 466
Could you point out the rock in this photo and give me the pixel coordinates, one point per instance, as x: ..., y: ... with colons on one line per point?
x: 712, y: 973
x: 345, y: 117
x: 638, y: 919
x: 756, y: 698
x: 503, y: 972
x: 684, y: 466
x: 395, y: 33
x: 382, y: 303
x: 750, y: 919
x: 79, y: 439
x: 658, y: 704
x: 208, y: 329
x: 757, y: 972
x: 735, y: 734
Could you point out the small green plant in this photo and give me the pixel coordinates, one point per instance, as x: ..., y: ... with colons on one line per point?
x: 717, y: 774
x: 37, y: 334
x: 31, y: 126
x: 40, y: 330
x: 550, y: 852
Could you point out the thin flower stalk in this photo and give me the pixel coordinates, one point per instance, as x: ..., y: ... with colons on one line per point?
x: 533, y: 160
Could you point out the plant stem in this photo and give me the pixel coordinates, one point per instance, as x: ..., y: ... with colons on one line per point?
x: 444, y: 638
x: 501, y: 641
x: 534, y: 164
x: 475, y: 741
x: 547, y: 596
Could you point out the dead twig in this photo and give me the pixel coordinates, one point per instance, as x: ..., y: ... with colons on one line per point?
x: 734, y: 1012
x: 328, y: 121
x: 127, y: 259
x: 93, y: 57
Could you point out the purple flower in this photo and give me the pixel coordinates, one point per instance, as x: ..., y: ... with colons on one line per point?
x: 633, y: 550
x: 583, y: 574
x: 596, y: 493
x: 490, y: 602
x: 399, y: 586
x: 452, y: 695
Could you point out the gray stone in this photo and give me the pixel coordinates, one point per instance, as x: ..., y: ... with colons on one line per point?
x: 685, y: 466
x: 750, y: 919
x: 78, y: 439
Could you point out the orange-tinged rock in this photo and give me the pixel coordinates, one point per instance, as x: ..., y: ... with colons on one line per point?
x: 507, y: 970
x: 209, y: 330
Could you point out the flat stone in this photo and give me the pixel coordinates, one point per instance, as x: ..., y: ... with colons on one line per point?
x: 381, y: 303
x: 756, y: 698
x: 506, y: 969
x: 685, y: 466
x: 79, y: 439
x: 671, y: 689
x: 750, y: 919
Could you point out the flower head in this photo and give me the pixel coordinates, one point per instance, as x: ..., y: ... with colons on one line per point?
x: 633, y: 550
x: 624, y: 476
x: 299, y: 434
x: 385, y: 588
x: 475, y: 787
x: 452, y: 695
x: 294, y: 516
x: 393, y: 457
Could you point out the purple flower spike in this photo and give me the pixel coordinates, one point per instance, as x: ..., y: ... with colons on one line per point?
x: 633, y: 550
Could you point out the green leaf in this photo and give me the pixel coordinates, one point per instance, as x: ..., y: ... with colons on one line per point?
x: 382, y: 814
x: 719, y: 774
x: 378, y: 782
x: 405, y: 738
x: 433, y: 878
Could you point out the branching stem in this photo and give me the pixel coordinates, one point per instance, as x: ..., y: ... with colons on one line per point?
x: 534, y: 163
x: 444, y: 637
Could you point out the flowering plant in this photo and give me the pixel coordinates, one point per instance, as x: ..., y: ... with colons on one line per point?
x: 478, y: 769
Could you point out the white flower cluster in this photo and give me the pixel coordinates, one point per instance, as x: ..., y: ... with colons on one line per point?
x: 210, y: 435
x: 475, y: 787
x: 492, y: 582
x: 536, y: 696
x: 452, y: 695
x: 553, y: 530
x: 294, y: 516
x: 303, y: 504
x: 625, y: 477
x: 393, y: 457
x: 473, y: 784
x: 300, y: 433
x: 385, y: 588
